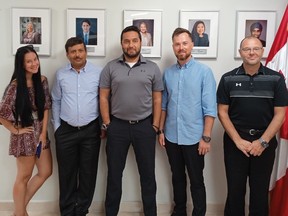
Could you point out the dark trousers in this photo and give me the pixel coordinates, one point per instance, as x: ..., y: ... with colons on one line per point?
x: 77, y: 152
x: 182, y: 157
x: 142, y: 136
x: 257, y: 169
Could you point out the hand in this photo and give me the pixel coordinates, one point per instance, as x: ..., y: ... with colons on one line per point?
x: 24, y: 130
x: 203, y: 147
x: 256, y: 148
x: 161, y: 140
x: 103, y: 134
x: 43, y: 139
x: 244, y: 146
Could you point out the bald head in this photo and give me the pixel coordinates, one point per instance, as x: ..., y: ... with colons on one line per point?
x: 243, y: 42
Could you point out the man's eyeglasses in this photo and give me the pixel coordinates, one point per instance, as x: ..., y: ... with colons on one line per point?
x: 254, y: 49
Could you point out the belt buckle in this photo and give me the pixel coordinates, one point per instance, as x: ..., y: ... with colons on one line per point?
x: 133, y: 122
x: 252, y: 132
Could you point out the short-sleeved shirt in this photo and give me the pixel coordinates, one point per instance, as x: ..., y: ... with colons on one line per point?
x: 252, y: 99
x: 131, y: 87
x: 24, y: 144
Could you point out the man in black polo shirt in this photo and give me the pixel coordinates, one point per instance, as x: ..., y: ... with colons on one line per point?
x: 251, y: 107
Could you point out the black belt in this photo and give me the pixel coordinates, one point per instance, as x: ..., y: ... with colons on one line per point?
x: 132, y: 122
x: 251, y: 132
x: 79, y: 127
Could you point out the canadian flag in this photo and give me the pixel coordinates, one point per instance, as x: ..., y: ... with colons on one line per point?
x: 278, y: 61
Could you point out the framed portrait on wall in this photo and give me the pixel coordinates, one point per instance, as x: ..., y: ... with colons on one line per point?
x: 203, y: 26
x: 89, y: 25
x: 149, y: 23
x: 32, y: 26
x: 260, y: 24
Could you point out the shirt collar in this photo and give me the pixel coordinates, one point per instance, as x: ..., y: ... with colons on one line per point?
x: 69, y: 66
x: 241, y: 70
x: 187, y: 64
x: 141, y: 60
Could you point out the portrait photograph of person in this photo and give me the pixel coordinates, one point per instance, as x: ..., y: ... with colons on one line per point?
x: 146, y: 27
x: 200, y: 32
x: 258, y: 29
x: 30, y: 30
x: 86, y: 29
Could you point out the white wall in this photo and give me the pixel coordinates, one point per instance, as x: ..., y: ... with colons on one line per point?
x: 214, y: 170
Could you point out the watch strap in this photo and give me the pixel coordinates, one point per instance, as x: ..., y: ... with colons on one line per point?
x: 263, y: 142
x: 206, y: 139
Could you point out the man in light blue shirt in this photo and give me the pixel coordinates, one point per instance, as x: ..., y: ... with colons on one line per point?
x: 188, y: 113
x: 77, y: 130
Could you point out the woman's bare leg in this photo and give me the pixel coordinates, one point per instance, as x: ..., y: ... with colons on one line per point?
x: 44, y: 167
x: 25, y: 165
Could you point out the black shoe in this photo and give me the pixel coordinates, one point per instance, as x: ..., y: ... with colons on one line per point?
x: 174, y: 213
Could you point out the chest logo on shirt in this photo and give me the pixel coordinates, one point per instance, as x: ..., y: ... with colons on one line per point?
x: 238, y: 84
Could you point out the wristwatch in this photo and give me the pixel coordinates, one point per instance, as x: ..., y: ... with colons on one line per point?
x: 161, y: 131
x: 104, y: 126
x: 206, y: 139
x: 264, y: 143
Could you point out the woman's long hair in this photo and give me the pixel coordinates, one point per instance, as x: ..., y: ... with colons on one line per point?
x: 23, y: 105
x: 194, y: 32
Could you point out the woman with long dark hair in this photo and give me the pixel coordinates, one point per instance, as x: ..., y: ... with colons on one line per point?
x: 24, y: 112
x: 199, y: 37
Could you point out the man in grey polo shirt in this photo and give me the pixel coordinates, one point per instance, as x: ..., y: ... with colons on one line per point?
x: 130, y: 104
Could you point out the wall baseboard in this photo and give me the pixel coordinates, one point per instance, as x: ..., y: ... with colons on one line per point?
x: 98, y: 208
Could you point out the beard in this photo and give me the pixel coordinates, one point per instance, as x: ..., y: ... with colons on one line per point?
x: 182, y: 57
x: 131, y: 54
